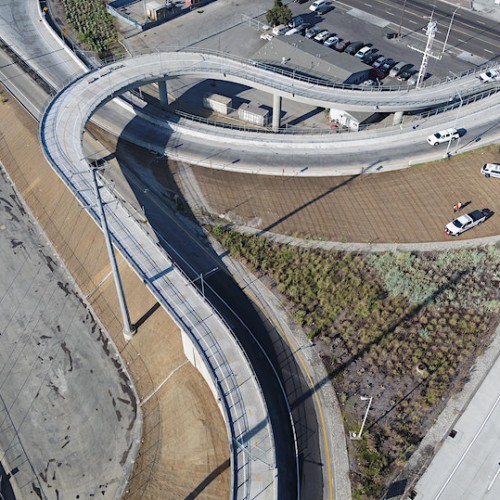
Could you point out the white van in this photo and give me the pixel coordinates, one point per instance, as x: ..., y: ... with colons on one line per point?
x: 314, y: 6
x: 491, y: 170
x: 443, y: 136
x: 281, y: 29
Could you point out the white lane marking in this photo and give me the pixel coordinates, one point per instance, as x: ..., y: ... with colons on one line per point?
x: 493, y: 480
x: 490, y: 51
x: 468, y: 449
x: 412, y: 22
x: 460, y: 40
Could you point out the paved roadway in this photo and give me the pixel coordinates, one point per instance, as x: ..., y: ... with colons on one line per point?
x: 468, y: 465
x: 251, y: 428
x: 469, y: 32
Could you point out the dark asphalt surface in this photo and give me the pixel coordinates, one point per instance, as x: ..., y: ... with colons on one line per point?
x: 477, y: 31
x: 5, y: 487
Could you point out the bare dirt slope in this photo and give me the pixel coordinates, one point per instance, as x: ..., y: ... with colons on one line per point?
x: 405, y: 206
x: 184, y: 451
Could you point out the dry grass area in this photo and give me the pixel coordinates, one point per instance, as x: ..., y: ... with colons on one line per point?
x: 184, y: 451
x: 405, y: 206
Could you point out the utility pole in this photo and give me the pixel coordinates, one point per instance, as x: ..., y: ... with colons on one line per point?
x: 401, y: 19
x: 449, y: 29
x: 128, y: 329
x: 452, y: 80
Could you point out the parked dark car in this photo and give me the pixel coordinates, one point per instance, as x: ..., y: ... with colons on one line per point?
x: 313, y: 31
x: 405, y: 74
x: 368, y: 59
x: 379, y: 61
x: 324, y: 8
x: 388, y: 65
x: 377, y: 73
x: 295, y: 22
x: 353, y: 47
x: 341, y: 45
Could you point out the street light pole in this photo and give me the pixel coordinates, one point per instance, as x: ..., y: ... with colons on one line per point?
x: 360, y: 434
x: 456, y: 120
x: 401, y: 19
x: 449, y: 29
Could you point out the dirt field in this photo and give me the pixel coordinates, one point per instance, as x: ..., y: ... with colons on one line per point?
x: 405, y: 206
x: 184, y: 451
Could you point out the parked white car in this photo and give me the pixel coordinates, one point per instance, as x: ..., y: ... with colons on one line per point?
x: 330, y: 41
x: 322, y: 36
x: 491, y: 170
x: 298, y: 29
x: 443, y: 136
x: 314, y: 6
x: 364, y: 51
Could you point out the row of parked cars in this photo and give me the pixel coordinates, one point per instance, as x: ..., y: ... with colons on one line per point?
x: 381, y: 66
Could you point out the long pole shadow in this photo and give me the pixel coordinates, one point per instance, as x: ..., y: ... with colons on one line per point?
x: 409, y: 315
x: 320, y: 197
x: 209, y: 479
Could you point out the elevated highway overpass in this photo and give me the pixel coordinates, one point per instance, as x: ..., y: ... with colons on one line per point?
x: 257, y: 152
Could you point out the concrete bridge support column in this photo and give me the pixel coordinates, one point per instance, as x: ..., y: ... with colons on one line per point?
x: 162, y: 87
x: 398, y: 118
x: 276, y: 111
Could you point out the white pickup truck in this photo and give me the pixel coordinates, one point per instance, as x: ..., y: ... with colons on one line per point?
x: 467, y: 221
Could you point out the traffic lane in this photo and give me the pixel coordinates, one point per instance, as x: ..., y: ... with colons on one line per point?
x: 355, y: 152
x: 221, y: 289
x: 478, y: 41
x: 191, y: 251
x: 359, y: 154
x: 467, y: 465
x: 31, y: 95
x: 441, y: 12
x: 244, y: 318
x: 22, y: 27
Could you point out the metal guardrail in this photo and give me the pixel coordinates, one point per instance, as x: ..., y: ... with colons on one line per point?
x: 174, y: 301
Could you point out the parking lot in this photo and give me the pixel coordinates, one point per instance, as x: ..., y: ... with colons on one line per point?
x: 220, y: 28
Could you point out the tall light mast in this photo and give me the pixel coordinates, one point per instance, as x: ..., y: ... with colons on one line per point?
x: 431, y: 34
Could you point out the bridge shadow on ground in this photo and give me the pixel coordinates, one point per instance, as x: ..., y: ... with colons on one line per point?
x: 155, y: 182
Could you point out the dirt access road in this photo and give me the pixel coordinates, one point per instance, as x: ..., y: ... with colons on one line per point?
x: 184, y: 451
x: 404, y: 206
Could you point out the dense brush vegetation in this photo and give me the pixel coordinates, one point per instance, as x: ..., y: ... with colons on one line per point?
x: 404, y: 328
x: 93, y: 23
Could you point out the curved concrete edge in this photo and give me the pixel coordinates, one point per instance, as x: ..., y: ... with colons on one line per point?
x: 367, y: 247
x: 333, y: 443
x: 229, y: 370
x: 60, y: 42
x: 122, y: 366
x: 239, y: 138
